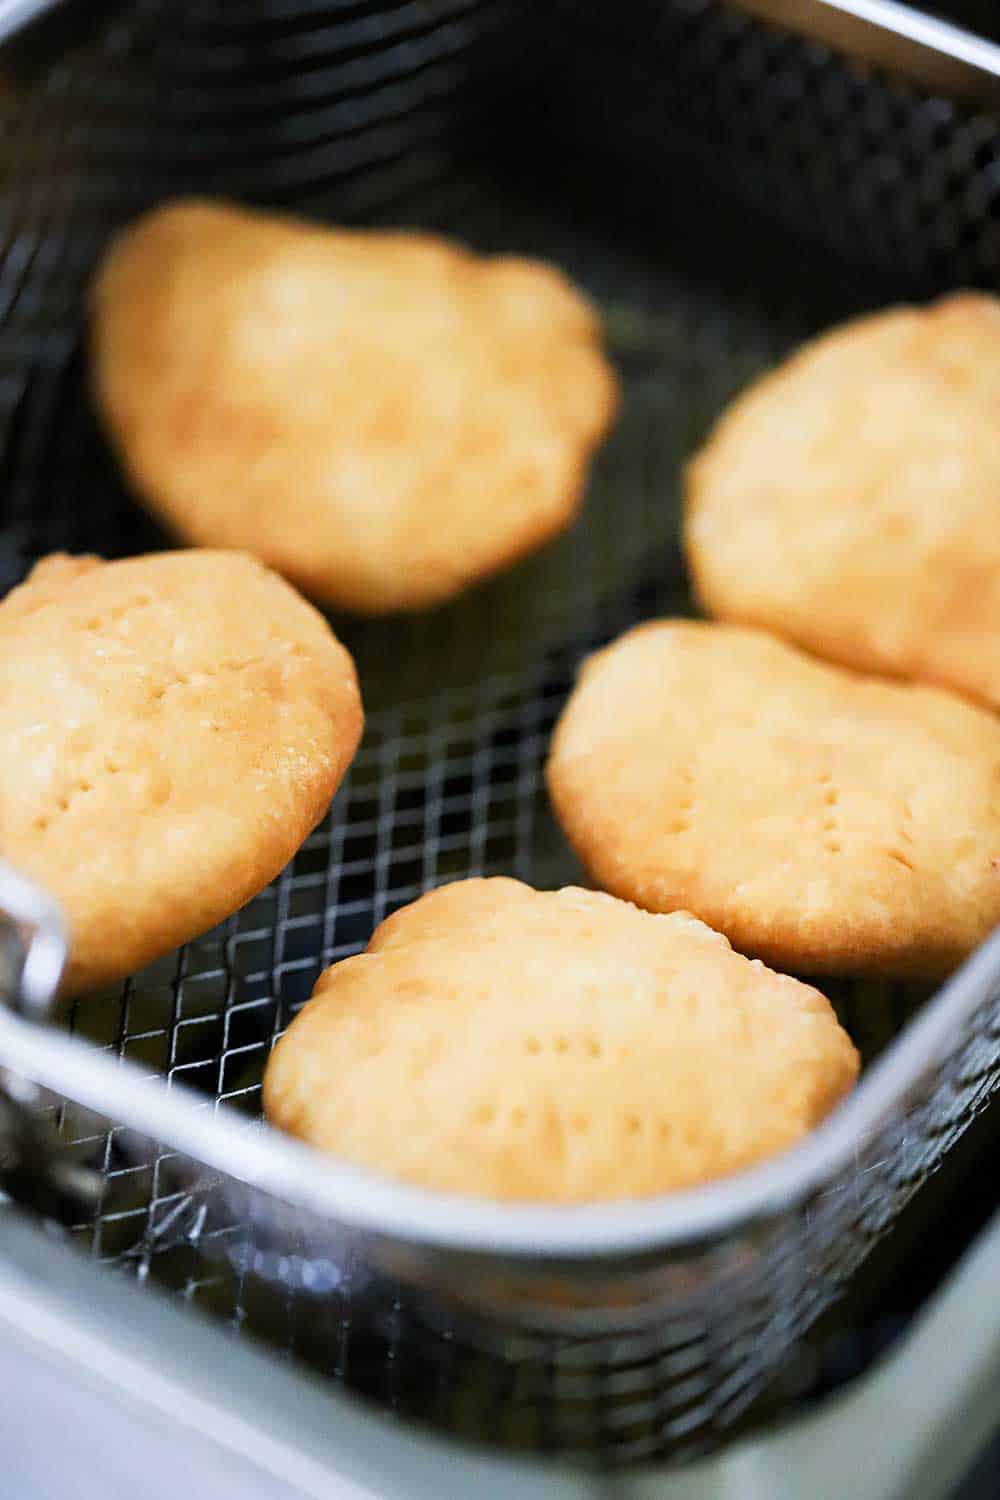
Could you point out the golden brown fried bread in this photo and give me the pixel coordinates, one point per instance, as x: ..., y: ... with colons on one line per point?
x: 823, y: 821
x: 383, y: 417
x: 172, y: 728
x: 556, y: 1045
x: 849, y: 500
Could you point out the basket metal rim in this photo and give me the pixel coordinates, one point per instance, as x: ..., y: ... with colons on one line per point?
x: 16, y: 15
x: 908, y: 41
x: 302, y: 1178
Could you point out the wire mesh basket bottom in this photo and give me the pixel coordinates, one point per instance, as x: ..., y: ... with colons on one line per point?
x: 461, y: 702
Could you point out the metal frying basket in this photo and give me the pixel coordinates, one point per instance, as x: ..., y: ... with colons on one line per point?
x: 722, y: 189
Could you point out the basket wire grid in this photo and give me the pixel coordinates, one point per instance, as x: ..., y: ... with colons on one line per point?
x: 460, y: 116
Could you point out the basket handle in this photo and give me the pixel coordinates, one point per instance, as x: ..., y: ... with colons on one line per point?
x: 37, y: 1169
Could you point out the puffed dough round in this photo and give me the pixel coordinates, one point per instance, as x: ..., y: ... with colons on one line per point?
x: 172, y: 727
x: 382, y: 417
x: 562, y: 1046
x: 849, y: 500
x: 826, y: 822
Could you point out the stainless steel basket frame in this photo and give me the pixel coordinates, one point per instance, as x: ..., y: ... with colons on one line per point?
x: 624, y: 1332
x: 942, y: 56
x: 294, y: 1177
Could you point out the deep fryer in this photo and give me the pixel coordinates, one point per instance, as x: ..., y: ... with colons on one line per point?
x: 722, y: 187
